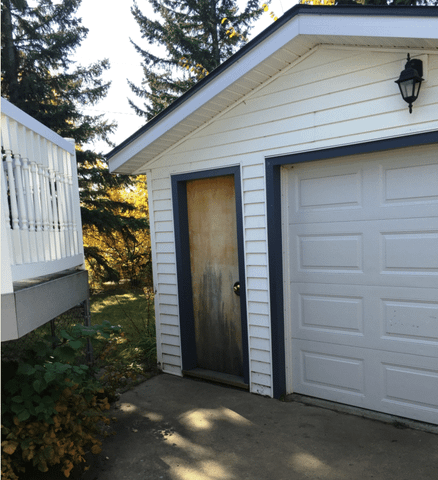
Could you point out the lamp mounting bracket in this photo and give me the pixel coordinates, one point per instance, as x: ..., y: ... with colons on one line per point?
x: 416, y: 64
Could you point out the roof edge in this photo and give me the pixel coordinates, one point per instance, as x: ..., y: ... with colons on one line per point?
x: 364, y: 10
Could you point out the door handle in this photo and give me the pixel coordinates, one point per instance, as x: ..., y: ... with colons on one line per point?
x: 236, y: 288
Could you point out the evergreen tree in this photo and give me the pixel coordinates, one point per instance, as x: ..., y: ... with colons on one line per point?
x: 39, y: 77
x: 196, y: 40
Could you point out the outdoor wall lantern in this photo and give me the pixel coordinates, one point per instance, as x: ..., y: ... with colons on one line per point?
x: 410, y: 81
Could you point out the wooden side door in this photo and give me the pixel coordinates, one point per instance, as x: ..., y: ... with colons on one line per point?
x: 214, y: 269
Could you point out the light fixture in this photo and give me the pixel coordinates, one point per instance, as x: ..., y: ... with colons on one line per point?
x: 410, y: 81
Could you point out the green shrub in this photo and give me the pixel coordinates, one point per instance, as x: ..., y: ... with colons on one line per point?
x: 52, y: 406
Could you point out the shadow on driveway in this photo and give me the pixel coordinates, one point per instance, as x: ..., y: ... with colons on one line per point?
x: 174, y: 428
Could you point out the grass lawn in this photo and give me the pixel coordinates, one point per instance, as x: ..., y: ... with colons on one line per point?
x: 135, y: 353
x: 128, y: 308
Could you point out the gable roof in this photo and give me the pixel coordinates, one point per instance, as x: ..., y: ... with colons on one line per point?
x: 293, y: 35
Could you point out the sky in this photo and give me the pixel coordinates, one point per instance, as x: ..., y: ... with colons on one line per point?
x: 111, y: 26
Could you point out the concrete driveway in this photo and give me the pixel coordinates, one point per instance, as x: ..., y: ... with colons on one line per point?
x: 175, y: 428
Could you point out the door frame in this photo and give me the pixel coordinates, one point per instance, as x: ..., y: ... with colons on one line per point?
x: 183, y: 270
x: 275, y: 242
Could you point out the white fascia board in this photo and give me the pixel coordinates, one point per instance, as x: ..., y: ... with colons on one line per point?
x: 24, y: 119
x: 302, y: 24
x: 370, y: 26
x: 219, y: 84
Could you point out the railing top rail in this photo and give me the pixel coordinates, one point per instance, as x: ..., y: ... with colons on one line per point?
x: 23, y: 118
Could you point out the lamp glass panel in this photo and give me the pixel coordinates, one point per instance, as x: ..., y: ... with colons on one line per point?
x: 417, y: 88
x: 407, y: 88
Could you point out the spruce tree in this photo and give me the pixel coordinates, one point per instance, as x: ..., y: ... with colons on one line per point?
x: 39, y: 77
x: 196, y: 38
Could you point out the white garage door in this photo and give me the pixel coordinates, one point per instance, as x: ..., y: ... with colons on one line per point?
x: 361, y: 280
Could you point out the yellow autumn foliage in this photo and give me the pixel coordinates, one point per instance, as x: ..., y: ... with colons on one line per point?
x: 74, y: 431
x: 128, y: 253
x: 317, y: 2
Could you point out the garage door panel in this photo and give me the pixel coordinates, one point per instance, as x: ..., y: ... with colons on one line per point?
x: 388, y: 319
x: 387, y: 211
x: 331, y: 252
x: 323, y: 196
x: 422, y: 185
x: 386, y: 252
x: 404, y: 385
x: 423, y: 248
x: 330, y: 371
x: 339, y: 189
x: 335, y: 314
x: 349, y: 189
x: 410, y: 320
x: 409, y: 386
x: 327, y: 248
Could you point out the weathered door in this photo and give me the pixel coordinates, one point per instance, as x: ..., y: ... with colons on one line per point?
x: 211, y: 211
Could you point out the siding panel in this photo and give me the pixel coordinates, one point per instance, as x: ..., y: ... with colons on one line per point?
x: 261, y: 379
x: 261, y: 344
x: 170, y: 340
x: 260, y: 355
x: 255, y: 234
x: 254, y: 209
x: 171, y: 350
x: 255, y: 196
x: 174, y: 360
x: 170, y: 310
x: 261, y: 367
x: 170, y: 324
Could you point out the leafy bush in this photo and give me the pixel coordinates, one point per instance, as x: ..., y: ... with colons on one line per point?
x: 52, y: 406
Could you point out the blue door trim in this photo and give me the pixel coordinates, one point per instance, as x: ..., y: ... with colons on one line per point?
x: 275, y: 248
x: 179, y: 201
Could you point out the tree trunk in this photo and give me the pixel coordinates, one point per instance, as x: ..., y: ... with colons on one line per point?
x: 214, y: 34
x: 9, y: 55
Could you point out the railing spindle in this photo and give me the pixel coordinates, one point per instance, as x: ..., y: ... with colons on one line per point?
x: 22, y: 210
x: 68, y: 204
x: 50, y: 227
x: 27, y: 178
x: 44, y: 196
x: 72, y: 193
x: 7, y: 144
x: 61, y: 202
x: 34, y: 166
x: 54, y: 200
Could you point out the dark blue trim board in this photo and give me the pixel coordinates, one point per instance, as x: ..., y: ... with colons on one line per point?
x: 179, y: 199
x: 275, y: 248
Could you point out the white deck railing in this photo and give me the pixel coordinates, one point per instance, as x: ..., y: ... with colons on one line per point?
x: 41, y: 223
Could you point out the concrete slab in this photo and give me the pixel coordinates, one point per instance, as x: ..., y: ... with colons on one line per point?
x: 175, y: 428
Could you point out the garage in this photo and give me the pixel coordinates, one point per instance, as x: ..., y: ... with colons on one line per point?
x: 299, y: 154
x: 360, y: 242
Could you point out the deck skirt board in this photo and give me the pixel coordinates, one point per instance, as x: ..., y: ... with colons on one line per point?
x: 36, y: 301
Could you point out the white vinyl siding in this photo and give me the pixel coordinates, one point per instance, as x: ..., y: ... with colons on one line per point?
x: 256, y: 265
x: 165, y: 279
x: 335, y: 96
